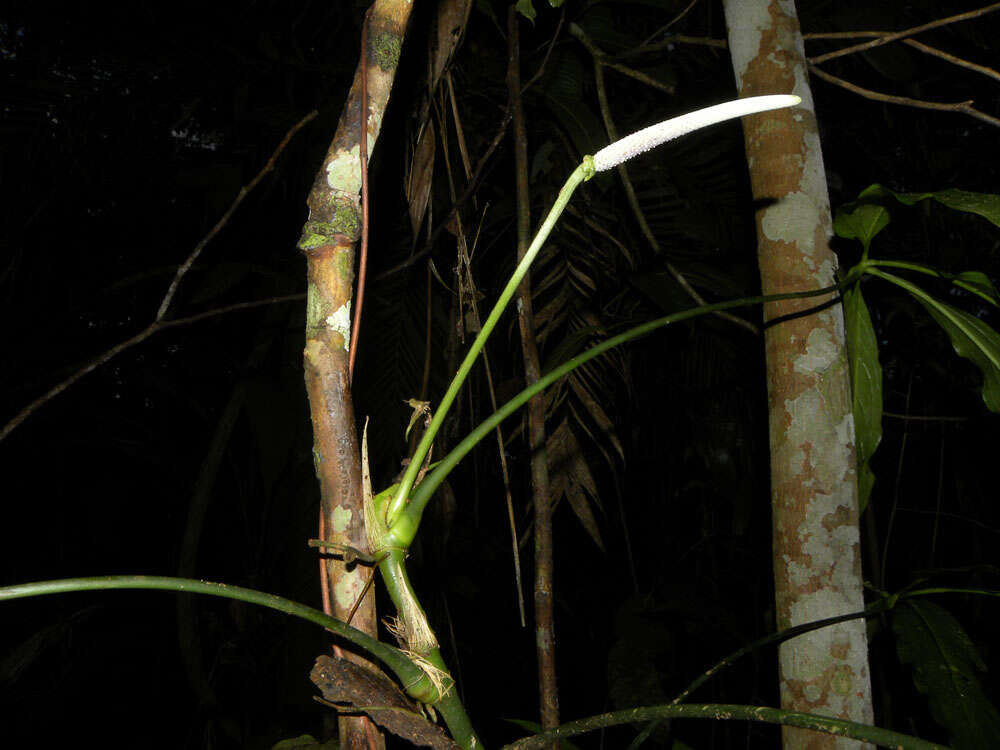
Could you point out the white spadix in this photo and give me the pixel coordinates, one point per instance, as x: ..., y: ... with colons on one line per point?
x: 651, y: 137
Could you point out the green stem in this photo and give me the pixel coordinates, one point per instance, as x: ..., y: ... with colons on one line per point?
x: 430, y: 483
x: 779, y: 637
x: 582, y: 173
x: 825, y: 724
x: 904, y: 264
x: 420, y: 639
x: 405, y: 670
x: 912, y: 288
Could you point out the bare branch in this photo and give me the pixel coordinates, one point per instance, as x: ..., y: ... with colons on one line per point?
x: 964, y: 107
x: 962, y: 63
x: 891, y: 37
x: 154, y: 327
x: 224, y: 219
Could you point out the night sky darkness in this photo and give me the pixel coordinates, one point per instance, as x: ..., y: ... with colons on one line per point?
x: 125, y: 133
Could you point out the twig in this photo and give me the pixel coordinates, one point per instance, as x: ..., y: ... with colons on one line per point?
x: 639, y: 76
x: 674, y: 20
x: 544, y: 590
x: 705, y: 41
x: 960, y: 62
x: 964, y: 107
x: 602, y: 58
x: 244, y: 192
x: 154, y: 327
x: 548, y: 52
x: 893, y: 36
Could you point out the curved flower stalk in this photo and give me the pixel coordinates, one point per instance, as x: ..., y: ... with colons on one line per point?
x: 608, y: 157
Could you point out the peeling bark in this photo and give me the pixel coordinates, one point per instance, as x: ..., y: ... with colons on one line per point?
x: 328, y: 240
x: 817, y: 554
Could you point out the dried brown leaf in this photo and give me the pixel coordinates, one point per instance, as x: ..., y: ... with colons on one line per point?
x: 569, y: 475
x: 419, y: 176
x: 452, y: 17
x: 342, y: 681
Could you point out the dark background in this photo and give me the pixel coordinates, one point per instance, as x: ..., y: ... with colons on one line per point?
x: 126, y: 132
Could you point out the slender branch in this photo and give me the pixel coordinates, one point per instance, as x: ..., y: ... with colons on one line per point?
x: 959, y: 61
x: 670, y: 23
x: 544, y: 593
x: 158, y: 323
x: 224, y: 219
x: 964, y: 107
x: 548, y: 52
x: 893, y: 36
x: 138, y: 338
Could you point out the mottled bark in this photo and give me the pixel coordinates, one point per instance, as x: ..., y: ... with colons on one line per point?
x: 817, y: 554
x: 328, y: 240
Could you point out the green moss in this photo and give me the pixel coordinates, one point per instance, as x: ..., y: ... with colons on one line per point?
x: 316, y: 309
x: 342, y: 262
x: 386, y: 47
x: 318, y: 233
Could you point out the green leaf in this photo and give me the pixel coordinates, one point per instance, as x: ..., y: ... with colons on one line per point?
x: 978, y: 283
x: 986, y: 205
x: 861, y: 220
x: 970, y: 336
x: 944, y: 664
x: 866, y: 387
x: 974, y: 340
x: 526, y: 9
x: 972, y: 281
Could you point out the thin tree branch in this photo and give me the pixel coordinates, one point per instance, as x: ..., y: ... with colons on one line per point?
x: 934, y: 51
x: 224, y: 219
x: 963, y: 107
x: 893, y: 36
x: 107, y: 356
x: 960, y: 62
x: 672, y: 21
x: 545, y: 641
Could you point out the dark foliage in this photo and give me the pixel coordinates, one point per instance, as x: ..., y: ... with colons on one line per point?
x: 125, y: 131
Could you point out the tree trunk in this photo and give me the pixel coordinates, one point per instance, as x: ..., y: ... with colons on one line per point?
x: 817, y: 553
x: 545, y: 638
x: 328, y: 241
